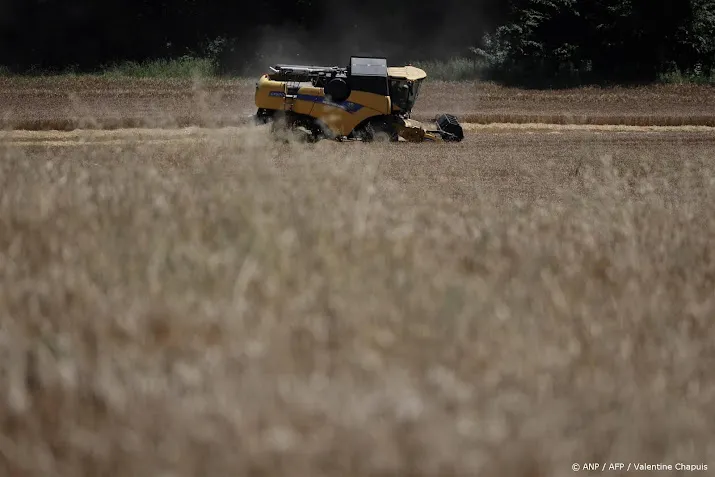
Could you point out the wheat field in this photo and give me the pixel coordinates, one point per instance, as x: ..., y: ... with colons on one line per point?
x: 68, y: 103
x: 220, y: 302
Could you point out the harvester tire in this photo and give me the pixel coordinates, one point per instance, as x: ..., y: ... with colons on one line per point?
x: 262, y: 116
x: 380, y: 130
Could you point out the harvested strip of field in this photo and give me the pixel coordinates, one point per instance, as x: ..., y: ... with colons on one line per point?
x: 137, y: 135
x: 552, y: 127
x: 146, y: 136
x: 235, y: 120
x: 101, y: 103
x: 592, y: 119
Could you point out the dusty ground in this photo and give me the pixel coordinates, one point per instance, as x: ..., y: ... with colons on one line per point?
x: 68, y: 103
x: 198, y: 302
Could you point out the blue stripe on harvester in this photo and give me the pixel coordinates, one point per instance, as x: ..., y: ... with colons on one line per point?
x: 348, y: 106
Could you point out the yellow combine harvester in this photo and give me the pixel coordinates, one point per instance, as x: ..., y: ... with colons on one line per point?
x: 366, y: 101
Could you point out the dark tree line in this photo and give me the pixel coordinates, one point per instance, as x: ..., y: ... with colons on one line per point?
x: 620, y: 40
x: 616, y: 39
x: 51, y: 34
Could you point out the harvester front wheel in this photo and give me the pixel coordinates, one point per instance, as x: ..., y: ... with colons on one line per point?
x: 380, y: 130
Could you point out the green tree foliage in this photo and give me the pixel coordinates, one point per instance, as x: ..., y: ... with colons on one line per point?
x: 57, y: 34
x: 569, y: 40
x: 699, y: 38
x: 551, y: 40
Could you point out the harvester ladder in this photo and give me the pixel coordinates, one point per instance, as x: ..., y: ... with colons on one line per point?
x: 291, y: 95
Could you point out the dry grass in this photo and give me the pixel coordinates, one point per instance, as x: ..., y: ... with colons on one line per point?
x: 91, y: 102
x: 108, y: 103
x: 231, y: 305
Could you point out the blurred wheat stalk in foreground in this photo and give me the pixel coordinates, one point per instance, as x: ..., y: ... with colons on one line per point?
x: 244, y: 307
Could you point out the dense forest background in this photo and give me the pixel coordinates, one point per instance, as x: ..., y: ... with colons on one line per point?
x: 619, y: 40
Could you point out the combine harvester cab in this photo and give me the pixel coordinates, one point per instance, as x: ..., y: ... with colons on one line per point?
x: 366, y: 101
